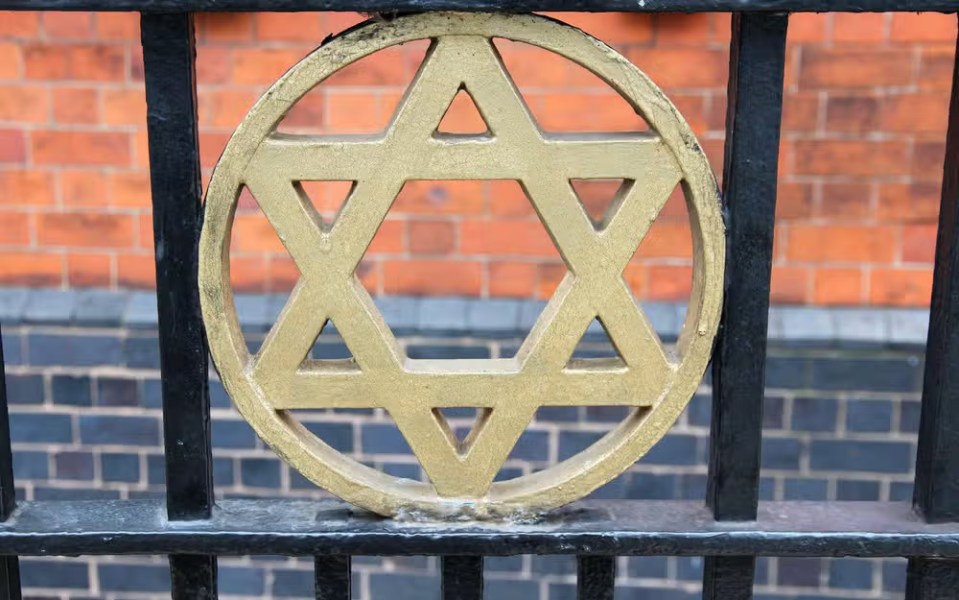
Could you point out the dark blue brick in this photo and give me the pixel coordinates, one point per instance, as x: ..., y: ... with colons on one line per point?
x: 674, y: 449
x: 651, y: 486
x: 553, y: 564
x: 857, y: 490
x: 156, y: 474
x: 689, y: 568
x: 814, y: 414
x: 326, y: 351
x: 125, y: 430
x: 767, y: 489
x: 30, y: 465
x: 648, y: 567
x: 700, y: 410
x: 51, y: 493
x: 607, y: 414
x: 41, y: 428
x: 909, y: 416
x: 869, y: 415
x: 616, y: 489
x: 377, y: 438
x: 232, y: 434
x: 531, y: 445
x: 850, y: 574
x: 120, y: 467
x: 900, y: 491
x: 117, y: 392
x: 557, y: 414
x: 218, y: 396
x: 260, y: 472
x: 781, y: 453
x: 428, y: 351
x: 849, y: 455
x: 223, y: 471
x: 241, y: 581
x: 894, y: 575
x: 627, y: 592
x: 805, y: 489
x: 71, y: 390
x: 510, y: 589
x: 573, y: 442
x: 872, y: 374
x: 141, y: 352
x: 692, y: 486
x: 74, y: 465
x: 339, y: 435
x: 134, y: 578
x: 762, y: 570
x: 74, y: 350
x: 799, y: 572
x: 12, y: 349
x: 299, y: 482
x: 36, y: 573
x: 152, y: 393
x: 503, y: 564
x: 404, y: 470
x: 396, y: 586
x: 773, y: 411
x: 786, y: 372
x: 25, y: 389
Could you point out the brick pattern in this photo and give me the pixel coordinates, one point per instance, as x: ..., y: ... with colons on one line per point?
x: 840, y: 424
x: 865, y: 114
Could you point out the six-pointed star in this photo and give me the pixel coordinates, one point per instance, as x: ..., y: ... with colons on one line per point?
x: 507, y: 391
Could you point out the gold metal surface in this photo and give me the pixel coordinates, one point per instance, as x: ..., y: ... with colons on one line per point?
x: 278, y: 378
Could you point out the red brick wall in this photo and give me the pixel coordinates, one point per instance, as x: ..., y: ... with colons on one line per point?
x: 864, y: 126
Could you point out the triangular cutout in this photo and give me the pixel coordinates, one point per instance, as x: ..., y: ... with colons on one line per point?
x: 462, y: 117
x: 596, y: 350
x: 329, y: 351
x: 461, y: 425
x: 327, y: 197
x: 601, y: 198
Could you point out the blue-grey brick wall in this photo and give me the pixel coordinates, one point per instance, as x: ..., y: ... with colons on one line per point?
x: 840, y: 419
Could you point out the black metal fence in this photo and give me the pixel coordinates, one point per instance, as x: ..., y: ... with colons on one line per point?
x: 730, y: 531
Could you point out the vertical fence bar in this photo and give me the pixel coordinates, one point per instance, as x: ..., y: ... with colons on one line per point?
x: 595, y: 577
x: 753, y: 117
x: 936, y: 495
x: 9, y: 565
x: 462, y: 577
x: 169, y: 57
x: 333, y: 577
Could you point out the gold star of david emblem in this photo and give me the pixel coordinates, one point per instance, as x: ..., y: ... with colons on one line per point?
x: 269, y: 385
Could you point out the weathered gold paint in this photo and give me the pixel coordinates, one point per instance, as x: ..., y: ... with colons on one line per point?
x: 658, y: 382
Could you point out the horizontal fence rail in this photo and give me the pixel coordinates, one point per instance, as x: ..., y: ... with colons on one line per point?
x: 397, y: 6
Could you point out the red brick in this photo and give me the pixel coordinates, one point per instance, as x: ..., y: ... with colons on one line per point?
x: 507, y: 199
x: 14, y: 228
x: 254, y: 233
x: 124, y: 107
x: 9, y: 60
x: 859, y: 27
x: 389, y: 238
x: 284, y: 27
x: 900, y: 287
x: 667, y: 239
x: 81, y: 148
x: 927, y: 160
x: 612, y: 28
x: 68, y: 25
x: 84, y: 188
x: 853, y: 114
x: 75, y: 105
x: 805, y: 28
x: 683, y: 68
x: 13, y: 146
x: 505, y: 238
x: 851, y: 158
x: 225, y: 107
x: 548, y: 277
x: 24, y: 103
x: 845, y: 201
x: 586, y: 113
x: 513, y: 279
x: 211, y: 148
x: 837, y: 286
x: 794, y: 201
x: 30, y: 269
x: 923, y: 27
x: 462, y: 116
x: 90, y: 270
x: 533, y: 67
x: 383, y: 68
x: 919, y: 243
x: 19, y: 24
x: 214, y: 65
x: 800, y: 112
x: 354, y: 113
x: 248, y: 274
x: 27, y: 187
x: 225, y: 27
x: 85, y: 230
x: 137, y: 271
x: 855, y: 68
x: 669, y: 282
x: 118, y: 26
x: 130, y: 189
x: 909, y: 203
x: 849, y: 243
x: 262, y: 65
x: 432, y: 277
x: 683, y: 29
x: 935, y: 68
x: 789, y: 285
x: 916, y: 113
x: 283, y: 273
x: 440, y: 197
x: 431, y: 237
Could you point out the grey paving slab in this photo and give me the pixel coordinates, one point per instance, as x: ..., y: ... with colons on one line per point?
x: 529, y: 313
x: 49, y: 306
x: 141, y: 310
x: 251, y: 310
x: 493, y: 317
x: 442, y: 315
x: 100, y: 307
x: 401, y: 313
x: 908, y: 325
x: 808, y: 324
x: 859, y: 325
x: 665, y: 317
